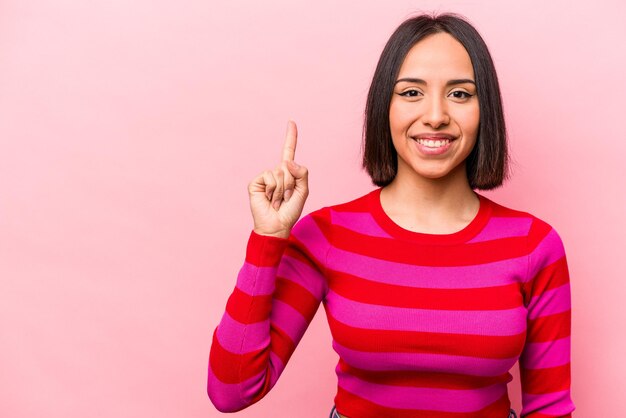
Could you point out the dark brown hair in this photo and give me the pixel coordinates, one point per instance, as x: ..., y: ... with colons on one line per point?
x: 488, y: 163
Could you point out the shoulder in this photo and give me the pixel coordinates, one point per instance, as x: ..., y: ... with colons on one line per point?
x: 355, y: 204
x: 544, y: 244
x: 543, y: 247
x: 534, y: 224
x: 317, y: 224
x: 325, y: 214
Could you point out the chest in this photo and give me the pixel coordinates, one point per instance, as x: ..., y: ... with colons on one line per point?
x: 441, y: 318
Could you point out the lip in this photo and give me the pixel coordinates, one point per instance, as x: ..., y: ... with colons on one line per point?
x: 433, y: 135
x: 428, y: 151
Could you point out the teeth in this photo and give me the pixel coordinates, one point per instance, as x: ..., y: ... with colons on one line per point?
x: 434, y: 144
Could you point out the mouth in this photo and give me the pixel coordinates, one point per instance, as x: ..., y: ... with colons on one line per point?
x: 433, y: 142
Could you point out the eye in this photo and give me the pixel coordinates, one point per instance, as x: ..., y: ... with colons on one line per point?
x: 467, y: 95
x: 410, y: 93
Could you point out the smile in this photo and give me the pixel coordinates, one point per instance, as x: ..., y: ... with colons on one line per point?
x: 430, y: 143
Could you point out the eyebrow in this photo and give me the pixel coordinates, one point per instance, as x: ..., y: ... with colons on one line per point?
x: 449, y: 83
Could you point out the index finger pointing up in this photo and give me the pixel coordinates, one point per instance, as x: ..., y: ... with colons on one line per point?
x: 289, y: 149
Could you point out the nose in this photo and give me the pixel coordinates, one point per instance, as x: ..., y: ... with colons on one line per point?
x: 435, y: 112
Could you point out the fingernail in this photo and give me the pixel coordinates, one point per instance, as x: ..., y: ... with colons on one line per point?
x: 287, y: 195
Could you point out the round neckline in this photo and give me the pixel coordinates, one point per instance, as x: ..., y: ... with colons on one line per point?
x: 458, y: 237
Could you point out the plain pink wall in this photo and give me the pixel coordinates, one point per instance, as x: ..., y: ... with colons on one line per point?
x: 130, y: 130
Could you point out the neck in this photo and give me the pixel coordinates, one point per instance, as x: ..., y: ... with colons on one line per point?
x: 432, y: 201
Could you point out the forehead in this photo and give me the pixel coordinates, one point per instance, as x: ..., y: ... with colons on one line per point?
x: 437, y: 55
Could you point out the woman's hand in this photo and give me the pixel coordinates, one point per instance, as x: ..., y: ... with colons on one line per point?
x: 277, y: 196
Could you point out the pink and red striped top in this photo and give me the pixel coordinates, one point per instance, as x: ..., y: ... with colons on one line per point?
x: 425, y: 325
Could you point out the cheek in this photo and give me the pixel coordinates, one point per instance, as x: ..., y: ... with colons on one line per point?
x: 469, y: 121
x: 393, y: 116
x: 399, y: 116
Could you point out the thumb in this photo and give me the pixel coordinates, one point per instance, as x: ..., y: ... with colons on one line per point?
x: 297, y: 171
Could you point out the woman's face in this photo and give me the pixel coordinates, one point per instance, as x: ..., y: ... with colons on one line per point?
x: 429, y: 101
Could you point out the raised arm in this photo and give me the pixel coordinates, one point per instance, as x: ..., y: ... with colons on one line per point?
x: 545, y: 370
x: 278, y: 289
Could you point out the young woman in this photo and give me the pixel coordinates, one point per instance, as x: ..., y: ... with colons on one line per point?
x: 432, y: 291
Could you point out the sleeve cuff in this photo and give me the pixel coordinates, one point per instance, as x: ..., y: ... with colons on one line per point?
x: 265, y: 250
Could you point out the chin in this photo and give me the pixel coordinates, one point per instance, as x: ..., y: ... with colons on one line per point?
x: 431, y: 174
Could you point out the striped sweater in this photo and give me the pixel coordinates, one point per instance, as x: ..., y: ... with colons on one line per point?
x: 425, y: 325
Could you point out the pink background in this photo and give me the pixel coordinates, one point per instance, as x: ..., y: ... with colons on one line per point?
x: 130, y: 130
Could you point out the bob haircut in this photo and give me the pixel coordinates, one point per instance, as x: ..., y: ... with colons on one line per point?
x: 488, y: 164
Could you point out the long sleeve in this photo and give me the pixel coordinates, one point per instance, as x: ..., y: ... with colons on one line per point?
x: 277, y: 293
x: 545, y: 371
